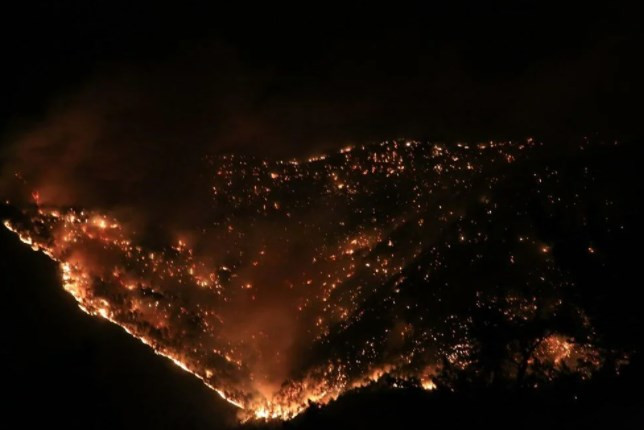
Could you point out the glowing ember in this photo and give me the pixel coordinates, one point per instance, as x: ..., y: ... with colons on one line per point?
x: 316, y: 277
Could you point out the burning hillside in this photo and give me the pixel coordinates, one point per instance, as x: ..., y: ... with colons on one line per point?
x: 304, y: 279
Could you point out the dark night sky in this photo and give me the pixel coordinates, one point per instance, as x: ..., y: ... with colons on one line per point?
x: 282, y: 80
x: 303, y: 77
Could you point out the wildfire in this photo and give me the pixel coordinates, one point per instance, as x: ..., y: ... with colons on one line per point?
x: 310, y: 291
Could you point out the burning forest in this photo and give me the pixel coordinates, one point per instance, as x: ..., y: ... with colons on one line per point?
x: 418, y: 263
